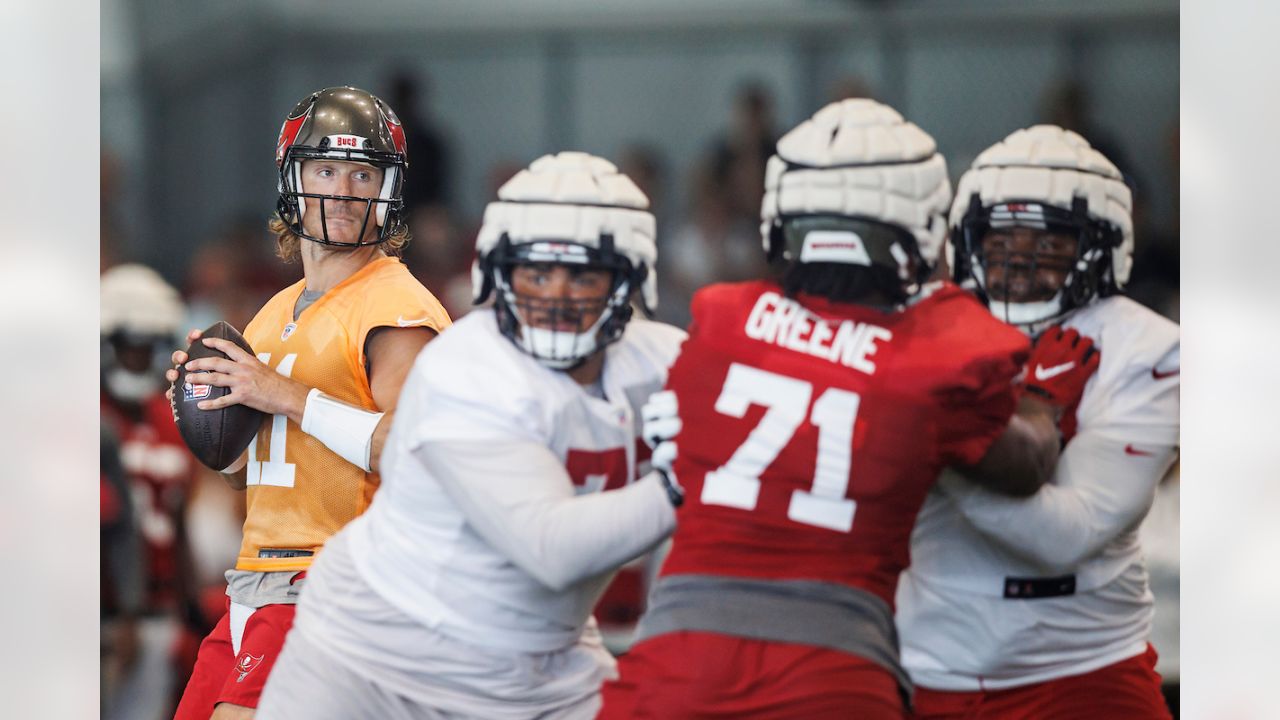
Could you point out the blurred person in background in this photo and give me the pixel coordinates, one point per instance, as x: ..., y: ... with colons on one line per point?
x: 443, y: 254
x: 718, y: 241
x: 428, y: 180
x: 850, y: 87
x: 713, y: 245
x: 738, y: 158
x: 332, y: 351
x: 441, y: 257
x: 812, y: 416
x: 1156, y: 274
x: 1040, y: 607
x: 141, y: 319
x: 1066, y: 104
x: 515, y: 481
x: 214, y: 291
x: 643, y: 164
x: 123, y: 571
x: 233, y: 274
x: 110, y: 243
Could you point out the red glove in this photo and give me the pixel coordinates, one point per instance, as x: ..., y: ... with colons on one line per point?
x: 1062, y: 361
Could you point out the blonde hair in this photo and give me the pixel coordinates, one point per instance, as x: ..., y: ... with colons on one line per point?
x: 288, y: 243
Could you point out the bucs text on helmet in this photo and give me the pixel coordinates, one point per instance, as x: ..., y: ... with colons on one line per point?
x: 571, y: 209
x: 1044, y: 178
x: 141, y: 318
x: 346, y: 124
x: 855, y: 199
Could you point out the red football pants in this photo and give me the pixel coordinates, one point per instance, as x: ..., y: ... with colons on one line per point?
x: 1127, y: 690
x: 707, y: 675
x: 222, y: 675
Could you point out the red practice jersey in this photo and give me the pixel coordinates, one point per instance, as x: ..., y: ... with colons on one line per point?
x: 160, y: 470
x: 813, y: 429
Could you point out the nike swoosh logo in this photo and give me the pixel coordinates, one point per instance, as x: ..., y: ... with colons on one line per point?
x: 1043, y: 373
x: 1157, y: 375
x: 410, y: 323
x: 1131, y: 450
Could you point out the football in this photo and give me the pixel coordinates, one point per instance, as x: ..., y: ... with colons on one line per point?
x: 216, y: 437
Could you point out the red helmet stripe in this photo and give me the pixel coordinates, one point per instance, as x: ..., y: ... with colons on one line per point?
x: 397, y: 135
x: 289, y: 133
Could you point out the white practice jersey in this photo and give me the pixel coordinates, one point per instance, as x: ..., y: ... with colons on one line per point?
x: 415, y: 547
x: 1005, y: 592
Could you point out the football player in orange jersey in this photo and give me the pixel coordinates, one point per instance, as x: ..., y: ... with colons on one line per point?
x: 332, y: 352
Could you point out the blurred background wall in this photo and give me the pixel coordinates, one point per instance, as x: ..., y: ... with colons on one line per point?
x: 193, y: 95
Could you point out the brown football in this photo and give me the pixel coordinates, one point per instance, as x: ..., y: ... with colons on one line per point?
x: 216, y: 437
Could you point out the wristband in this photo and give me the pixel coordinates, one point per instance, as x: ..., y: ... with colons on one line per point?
x: 675, y: 493
x: 345, y: 429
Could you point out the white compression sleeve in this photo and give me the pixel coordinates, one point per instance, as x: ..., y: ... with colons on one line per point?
x: 345, y: 429
x: 1102, y: 487
x: 520, y: 499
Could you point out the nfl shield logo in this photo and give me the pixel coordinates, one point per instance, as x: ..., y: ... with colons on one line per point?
x: 288, y: 330
x: 195, y: 392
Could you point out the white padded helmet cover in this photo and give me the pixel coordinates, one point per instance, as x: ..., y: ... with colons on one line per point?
x: 859, y: 157
x: 575, y: 197
x: 137, y: 300
x: 1051, y: 165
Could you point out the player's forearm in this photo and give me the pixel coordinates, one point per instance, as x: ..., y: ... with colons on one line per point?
x: 521, y: 501
x: 292, y: 399
x: 566, y: 541
x: 1023, y: 457
x: 378, y: 440
x: 1101, y: 491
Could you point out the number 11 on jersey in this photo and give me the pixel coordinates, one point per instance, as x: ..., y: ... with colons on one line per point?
x: 275, y: 471
x: 737, y: 482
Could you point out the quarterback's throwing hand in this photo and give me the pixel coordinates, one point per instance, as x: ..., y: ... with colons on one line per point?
x: 252, y: 382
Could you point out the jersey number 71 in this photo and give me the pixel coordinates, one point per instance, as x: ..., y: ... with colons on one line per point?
x: 737, y: 482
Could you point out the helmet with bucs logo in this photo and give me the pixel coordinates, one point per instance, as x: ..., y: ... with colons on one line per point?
x: 1045, y: 180
x: 346, y: 124
x: 576, y: 210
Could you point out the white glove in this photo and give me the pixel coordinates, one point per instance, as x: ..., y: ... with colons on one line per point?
x: 661, y: 415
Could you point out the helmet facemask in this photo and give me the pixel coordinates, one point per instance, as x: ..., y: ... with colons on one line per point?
x: 1043, y: 178
x: 559, y: 331
x: 389, y: 204
x: 1037, y: 304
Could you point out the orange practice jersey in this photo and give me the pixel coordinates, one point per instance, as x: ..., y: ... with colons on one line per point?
x: 299, y: 491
